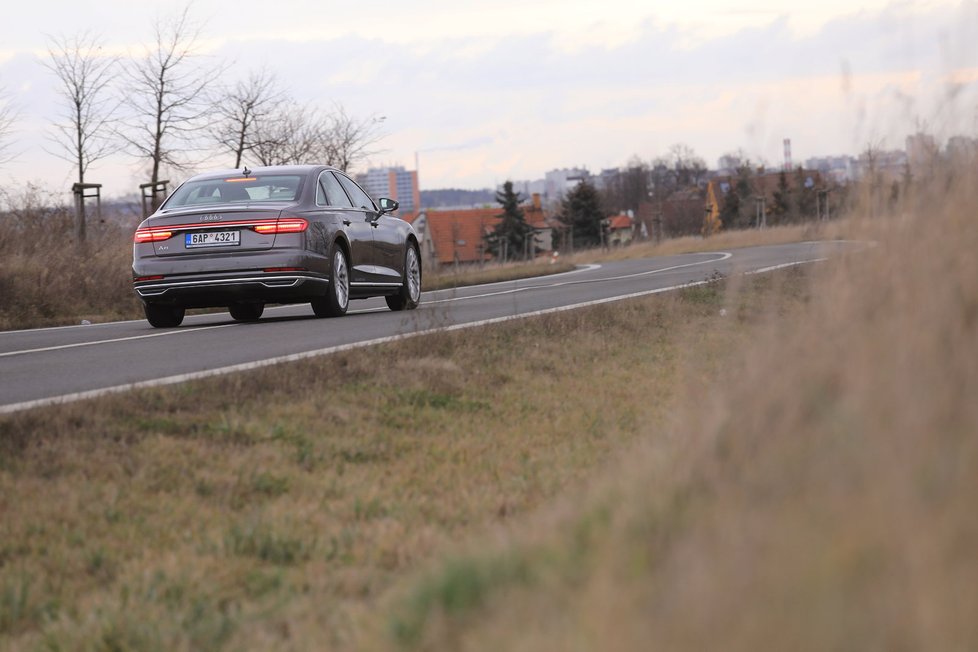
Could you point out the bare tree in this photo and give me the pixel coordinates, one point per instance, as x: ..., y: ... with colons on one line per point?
x: 289, y: 135
x: 297, y: 134
x: 690, y: 169
x: 871, y: 177
x: 167, y: 95
x: 345, y: 140
x: 8, y: 117
x: 245, y: 109
x: 82, y: 135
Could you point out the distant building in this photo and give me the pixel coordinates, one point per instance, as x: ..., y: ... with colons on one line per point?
x: 458, y: 236
x: 607, y: 178
x: 620, y: 229
x: 839, y: 169
x: 558, y: 182
x: 527, y: 189
x: 888, y: 165
x: 395, y: 183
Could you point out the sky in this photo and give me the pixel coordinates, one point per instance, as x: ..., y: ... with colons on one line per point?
x: 481, y: 92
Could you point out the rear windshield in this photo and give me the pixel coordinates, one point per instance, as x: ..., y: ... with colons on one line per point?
x: 236, y: 190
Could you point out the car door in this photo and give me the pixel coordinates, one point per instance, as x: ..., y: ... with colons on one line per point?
x: 354, y: 222
x: 390, y: 236
x: 363, y: 203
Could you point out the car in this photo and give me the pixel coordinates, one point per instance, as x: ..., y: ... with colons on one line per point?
x: 242, y: 239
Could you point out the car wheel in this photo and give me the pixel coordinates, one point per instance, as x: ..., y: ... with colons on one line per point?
x: 409, y: 296
x: 163, y: 316
x: 246, y: 311
x: 337, y: 298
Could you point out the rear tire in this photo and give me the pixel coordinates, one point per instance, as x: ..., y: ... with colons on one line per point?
x: 409, y: 296
x: 337, y: 298
x: 246, y: 311
x: 163, y: 316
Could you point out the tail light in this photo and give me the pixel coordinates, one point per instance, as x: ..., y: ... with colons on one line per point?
x: 152, y: 235
x: 283, y: 225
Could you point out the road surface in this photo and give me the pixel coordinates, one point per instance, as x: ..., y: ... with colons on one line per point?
x: 43, y: 366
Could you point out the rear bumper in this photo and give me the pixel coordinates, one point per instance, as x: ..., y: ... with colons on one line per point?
x: 222, y: 289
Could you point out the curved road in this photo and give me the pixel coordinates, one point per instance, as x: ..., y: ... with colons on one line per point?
x: 50, y: 365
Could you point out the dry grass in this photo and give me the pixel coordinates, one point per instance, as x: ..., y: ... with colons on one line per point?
x: 448, y: 277
x: 724, y: 240
x: 48, y: 279
x: 818, y: 494
x: 797, y: 474
x: 274, y: 510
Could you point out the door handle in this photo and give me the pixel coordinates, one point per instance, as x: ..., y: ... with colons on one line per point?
x: 347, y: 222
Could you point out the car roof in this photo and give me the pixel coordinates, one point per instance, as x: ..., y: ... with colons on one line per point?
x: 271, y: 169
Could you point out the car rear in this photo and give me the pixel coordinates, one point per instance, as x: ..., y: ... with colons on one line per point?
x: 227, y: 240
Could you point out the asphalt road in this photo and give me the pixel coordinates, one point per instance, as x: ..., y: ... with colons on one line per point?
x: 43, y: 366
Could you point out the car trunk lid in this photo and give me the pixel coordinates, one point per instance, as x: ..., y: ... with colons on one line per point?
x: 216, y: 230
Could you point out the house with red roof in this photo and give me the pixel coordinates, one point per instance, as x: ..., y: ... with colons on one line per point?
x: 458, y: 236
x: 620, y: 229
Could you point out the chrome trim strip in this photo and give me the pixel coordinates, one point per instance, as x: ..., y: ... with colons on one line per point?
x: 373, y: 285
x: 157, y: 289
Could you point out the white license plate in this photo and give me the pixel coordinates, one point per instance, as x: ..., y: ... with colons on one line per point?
x: 213, y: 239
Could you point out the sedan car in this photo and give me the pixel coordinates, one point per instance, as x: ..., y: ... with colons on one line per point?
x: 282, y: 234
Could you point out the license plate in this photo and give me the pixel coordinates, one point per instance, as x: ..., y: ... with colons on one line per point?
x: 213, y: 239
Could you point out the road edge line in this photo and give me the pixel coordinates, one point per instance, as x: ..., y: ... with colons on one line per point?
x: 295, y: 357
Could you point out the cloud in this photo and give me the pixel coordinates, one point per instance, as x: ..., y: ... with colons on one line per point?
x: 532, y: 100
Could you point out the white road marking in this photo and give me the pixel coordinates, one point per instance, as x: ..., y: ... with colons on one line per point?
x: 580, y: 268
x: 723, y: 256
x: 258, y: 364
x: 294, y: 357
x: 61, y: 328
x: 784, y: 265
x: 195, y: 329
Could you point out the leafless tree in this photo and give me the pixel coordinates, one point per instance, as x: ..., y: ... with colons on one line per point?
x: 82, y: 136
x: 298, y: 134
x: 289, y: 135
x: 690, y: 169
x: 245, y: 109
x: 346, y: 140
x: 85, y: 77
x: 168, y: 96
x: 8, y: 117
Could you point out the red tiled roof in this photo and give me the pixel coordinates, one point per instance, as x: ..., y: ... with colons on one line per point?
x: 460, y: 234
x: 617, y: 222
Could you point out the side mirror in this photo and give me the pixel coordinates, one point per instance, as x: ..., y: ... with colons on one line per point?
x: 387, y: 205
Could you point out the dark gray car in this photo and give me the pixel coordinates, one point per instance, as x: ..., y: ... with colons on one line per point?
x: 283, y: 234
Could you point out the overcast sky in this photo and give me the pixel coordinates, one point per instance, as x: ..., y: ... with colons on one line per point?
x: 489, y: 91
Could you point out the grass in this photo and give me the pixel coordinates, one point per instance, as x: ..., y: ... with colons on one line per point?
x: 814, y: 492
x: 48, y: 279
x: 492, y: 273
x: 281, y: 508
x: 782, y: 461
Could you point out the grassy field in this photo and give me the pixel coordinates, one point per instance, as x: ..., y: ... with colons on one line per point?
x: 280, y: 509
x: 815, y: 494
x: 784, y: 461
